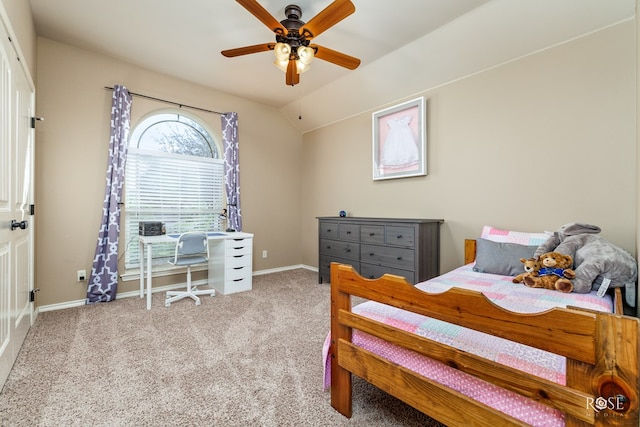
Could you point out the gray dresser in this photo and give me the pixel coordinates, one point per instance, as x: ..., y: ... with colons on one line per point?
x: 375, y: 246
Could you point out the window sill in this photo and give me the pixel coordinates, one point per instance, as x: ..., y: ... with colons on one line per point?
x: 158, y: 271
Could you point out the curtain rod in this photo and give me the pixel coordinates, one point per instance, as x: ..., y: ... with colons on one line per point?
x: 170, y: 102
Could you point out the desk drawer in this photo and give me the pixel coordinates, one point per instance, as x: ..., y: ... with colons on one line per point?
x: 238, y: 284
x: 238, y: 247
x: 232, y: 274
x: 234, y: 261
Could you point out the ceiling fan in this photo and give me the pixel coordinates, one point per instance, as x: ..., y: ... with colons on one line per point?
x: 293, y: 49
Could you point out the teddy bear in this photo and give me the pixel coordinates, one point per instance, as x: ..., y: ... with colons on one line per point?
x: 596, y: 260
x: 531, y: 267
x: 555, y: 272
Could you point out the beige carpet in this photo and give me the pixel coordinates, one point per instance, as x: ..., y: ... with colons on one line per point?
x: 248, y: 359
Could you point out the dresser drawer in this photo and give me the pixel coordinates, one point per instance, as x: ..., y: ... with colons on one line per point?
x: 371, y: 271
x: 400, y: 236
x: 349, y: 232
x: 338, y: 249
x: 407, y: 247
x: 372, y: 234
x: 329, y: 230
x: 383, y: 255
x: 325, y: 266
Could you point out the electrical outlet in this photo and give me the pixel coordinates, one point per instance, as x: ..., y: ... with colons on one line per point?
x: 264, y: 253
x: 82, y: 275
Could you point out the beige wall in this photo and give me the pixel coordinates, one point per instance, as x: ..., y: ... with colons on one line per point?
x: 577, y: 101
x: 72, y: 148
x: 530, y: 145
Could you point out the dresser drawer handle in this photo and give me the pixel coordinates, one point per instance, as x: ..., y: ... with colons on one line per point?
x: 328, y: 230
x: 399, y: 258
x: 400, y: 236
x: 238, y: 268
x: 238, y: 280
x: 371, y: 254
x: 348, y: 232
x: 348, y: 250
x: 372, y: 234
x: 328, y: 247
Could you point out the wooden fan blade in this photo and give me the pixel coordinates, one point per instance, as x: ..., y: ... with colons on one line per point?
x: 327, y: 18
x: 263, y: 15
x: 230, y: 53
x: 335, y: 57
x: 293, y: 78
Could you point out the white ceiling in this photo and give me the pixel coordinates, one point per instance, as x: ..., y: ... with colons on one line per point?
x: 442, y: 39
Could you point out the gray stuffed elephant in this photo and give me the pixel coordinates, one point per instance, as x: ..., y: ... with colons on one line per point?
x: 594, y: 258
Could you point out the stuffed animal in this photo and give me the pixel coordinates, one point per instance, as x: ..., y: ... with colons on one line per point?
x: 596, y: 260
x: 555, y: 272
x: 531, y: 267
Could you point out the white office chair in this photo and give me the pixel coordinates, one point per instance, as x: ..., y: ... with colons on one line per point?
x: 192, y: 248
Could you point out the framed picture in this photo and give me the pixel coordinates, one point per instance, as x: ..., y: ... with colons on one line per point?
x: 400, y: 141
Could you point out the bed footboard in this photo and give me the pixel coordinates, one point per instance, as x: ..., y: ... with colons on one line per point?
x: 601, y: 350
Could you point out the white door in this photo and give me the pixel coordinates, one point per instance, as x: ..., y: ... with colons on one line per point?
x: 16, y: 201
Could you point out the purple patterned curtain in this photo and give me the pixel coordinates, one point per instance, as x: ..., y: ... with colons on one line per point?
x: 103, y: 282
x: 232, y: 169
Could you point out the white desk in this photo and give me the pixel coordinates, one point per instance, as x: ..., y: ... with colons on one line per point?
x: 217, y: 256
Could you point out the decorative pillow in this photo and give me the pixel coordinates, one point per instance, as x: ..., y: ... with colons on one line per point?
x: 501, y: 258
x: 508, y: 236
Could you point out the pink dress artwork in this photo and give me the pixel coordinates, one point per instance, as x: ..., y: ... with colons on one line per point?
x: 400, y: 149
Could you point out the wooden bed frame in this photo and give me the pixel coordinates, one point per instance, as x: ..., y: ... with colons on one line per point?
x: 602, y: 382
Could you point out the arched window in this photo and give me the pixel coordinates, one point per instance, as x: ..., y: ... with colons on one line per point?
x: 174, y: 133
x: 174, y: 175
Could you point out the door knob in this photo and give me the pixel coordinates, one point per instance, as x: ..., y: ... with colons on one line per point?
x: 18, y: 224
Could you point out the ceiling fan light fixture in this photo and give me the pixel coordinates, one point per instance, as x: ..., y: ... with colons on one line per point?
x: 305, y: 55
x: 301, y: 67
x: 282, y: 65
x: 282, y: 52
x: 293, y: 55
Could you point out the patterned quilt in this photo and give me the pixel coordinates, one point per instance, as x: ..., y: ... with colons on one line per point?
x: 504, y: 293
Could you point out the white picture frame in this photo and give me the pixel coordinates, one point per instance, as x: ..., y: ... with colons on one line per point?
x: 400, y: 141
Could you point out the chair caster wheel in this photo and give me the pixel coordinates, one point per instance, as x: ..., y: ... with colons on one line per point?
x: 167, y: 304
x: 198, y: 303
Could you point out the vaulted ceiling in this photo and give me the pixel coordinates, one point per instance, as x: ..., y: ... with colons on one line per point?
x: 405, y: 46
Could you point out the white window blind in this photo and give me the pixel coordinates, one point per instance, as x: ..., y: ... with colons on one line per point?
x: 184, y: 192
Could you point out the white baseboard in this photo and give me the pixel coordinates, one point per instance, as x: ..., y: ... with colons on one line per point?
x: 78, y: 303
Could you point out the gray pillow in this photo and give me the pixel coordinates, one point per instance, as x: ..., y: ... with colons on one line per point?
x: 501, y: 258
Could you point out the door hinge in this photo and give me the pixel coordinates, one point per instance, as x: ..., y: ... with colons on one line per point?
x: 33, y: 121
x: 32, y: 294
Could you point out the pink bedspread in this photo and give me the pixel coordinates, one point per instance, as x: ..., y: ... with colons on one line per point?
x: 500, y: 289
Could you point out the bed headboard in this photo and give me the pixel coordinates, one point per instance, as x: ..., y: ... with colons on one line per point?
x: 469, y: 251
